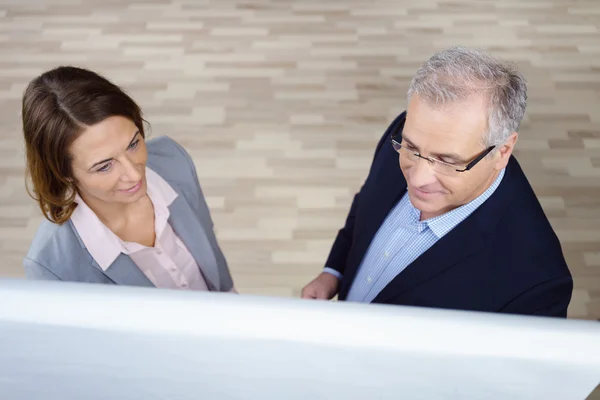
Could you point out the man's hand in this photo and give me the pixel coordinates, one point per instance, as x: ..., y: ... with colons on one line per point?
x: 323, y: 287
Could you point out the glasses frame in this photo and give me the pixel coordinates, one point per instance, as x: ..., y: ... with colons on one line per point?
x: 397, y: 144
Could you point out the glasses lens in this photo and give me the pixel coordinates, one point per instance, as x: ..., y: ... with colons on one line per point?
x: 444, y: 169
x: 407, y: 154
x: 437, y: 166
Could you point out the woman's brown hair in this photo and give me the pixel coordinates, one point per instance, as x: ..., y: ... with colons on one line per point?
x: 57, y: 107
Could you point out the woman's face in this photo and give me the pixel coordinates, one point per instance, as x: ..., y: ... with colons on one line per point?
x: 109, y: 162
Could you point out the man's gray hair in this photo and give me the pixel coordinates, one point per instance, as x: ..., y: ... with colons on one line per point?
x: 457, y: 73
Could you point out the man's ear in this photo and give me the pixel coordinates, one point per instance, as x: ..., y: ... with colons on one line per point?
x: 505, y: 150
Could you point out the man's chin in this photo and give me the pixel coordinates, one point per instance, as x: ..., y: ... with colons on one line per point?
x: 424, y: 195
x: 426, y: 206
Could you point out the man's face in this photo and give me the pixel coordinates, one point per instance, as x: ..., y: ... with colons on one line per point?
x: 452, y: 134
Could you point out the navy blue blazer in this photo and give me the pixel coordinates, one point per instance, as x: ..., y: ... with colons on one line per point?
x: 504, y: 257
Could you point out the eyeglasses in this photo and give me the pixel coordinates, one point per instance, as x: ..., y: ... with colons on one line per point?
x: 439, y: 166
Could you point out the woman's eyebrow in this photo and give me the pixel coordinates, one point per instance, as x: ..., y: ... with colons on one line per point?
x: 110, y: 159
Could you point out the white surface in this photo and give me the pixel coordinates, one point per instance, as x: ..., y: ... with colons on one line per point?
x: 79, y: 341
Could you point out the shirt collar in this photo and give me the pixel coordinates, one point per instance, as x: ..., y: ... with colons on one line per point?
x: 159, y: 190
x: 444, y: 223
x: 410, y: 216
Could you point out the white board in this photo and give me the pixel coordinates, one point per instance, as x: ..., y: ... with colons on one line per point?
x: 81, y: 341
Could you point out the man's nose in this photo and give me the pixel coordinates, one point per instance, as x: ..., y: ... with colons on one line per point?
x: 422, y: 173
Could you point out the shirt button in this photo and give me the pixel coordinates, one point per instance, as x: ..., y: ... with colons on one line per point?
x: 387, y: 254
x: 369, y: 279
x: 158, y: 252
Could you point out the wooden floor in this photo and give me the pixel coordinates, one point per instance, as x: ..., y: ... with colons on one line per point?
x: 281, y: 103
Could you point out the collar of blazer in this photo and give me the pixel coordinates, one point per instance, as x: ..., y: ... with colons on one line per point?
x: 187, y: 225
x: 466, y: 239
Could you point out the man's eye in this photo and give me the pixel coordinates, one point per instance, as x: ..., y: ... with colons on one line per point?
x: 449, y: 161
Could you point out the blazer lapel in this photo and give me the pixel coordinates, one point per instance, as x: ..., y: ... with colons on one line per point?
x: 461, y: 242
x: 464, y: 240
x: 391, y: 187
x: 123, y: 271
x: 187, y: 226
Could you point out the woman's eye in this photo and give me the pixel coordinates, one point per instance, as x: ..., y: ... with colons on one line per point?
x: 134, y: 144
x: 104, y: 168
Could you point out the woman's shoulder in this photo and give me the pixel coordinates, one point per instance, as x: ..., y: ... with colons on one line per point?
x: 165, y: 150
x: 171, y: 161
x: 57, y: 253
x: 55, y: 245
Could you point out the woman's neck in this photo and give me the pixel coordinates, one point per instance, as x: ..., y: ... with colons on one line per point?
x: 115, y: 215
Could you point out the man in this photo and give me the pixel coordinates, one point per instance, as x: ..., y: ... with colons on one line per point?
x: 456, y: 224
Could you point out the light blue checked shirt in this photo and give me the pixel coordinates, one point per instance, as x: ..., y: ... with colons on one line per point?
x: 401, y: 239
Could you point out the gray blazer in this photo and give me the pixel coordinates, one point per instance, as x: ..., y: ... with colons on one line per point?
x: 58, y: 253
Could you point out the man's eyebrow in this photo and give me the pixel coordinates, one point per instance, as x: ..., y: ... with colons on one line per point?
x: 453, y: 156
x: 407, y: 140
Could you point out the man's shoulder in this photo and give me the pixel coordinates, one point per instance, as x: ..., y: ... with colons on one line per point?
x: 513, y: 198
x: 523, y: 226
x: 523, y: 200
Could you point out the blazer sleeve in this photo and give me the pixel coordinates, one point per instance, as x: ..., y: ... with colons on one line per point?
x: 36, y: 271
x: 338, y: 255
x: 548, y: 299
x: 202, y: 207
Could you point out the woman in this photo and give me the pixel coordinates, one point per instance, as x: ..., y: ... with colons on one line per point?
x: 120, y: 209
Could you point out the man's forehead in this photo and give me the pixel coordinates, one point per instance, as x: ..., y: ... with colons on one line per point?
x: 473, y: 108
x: 457, y: 145
x: 466, y: 126
x: 438, y: 133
